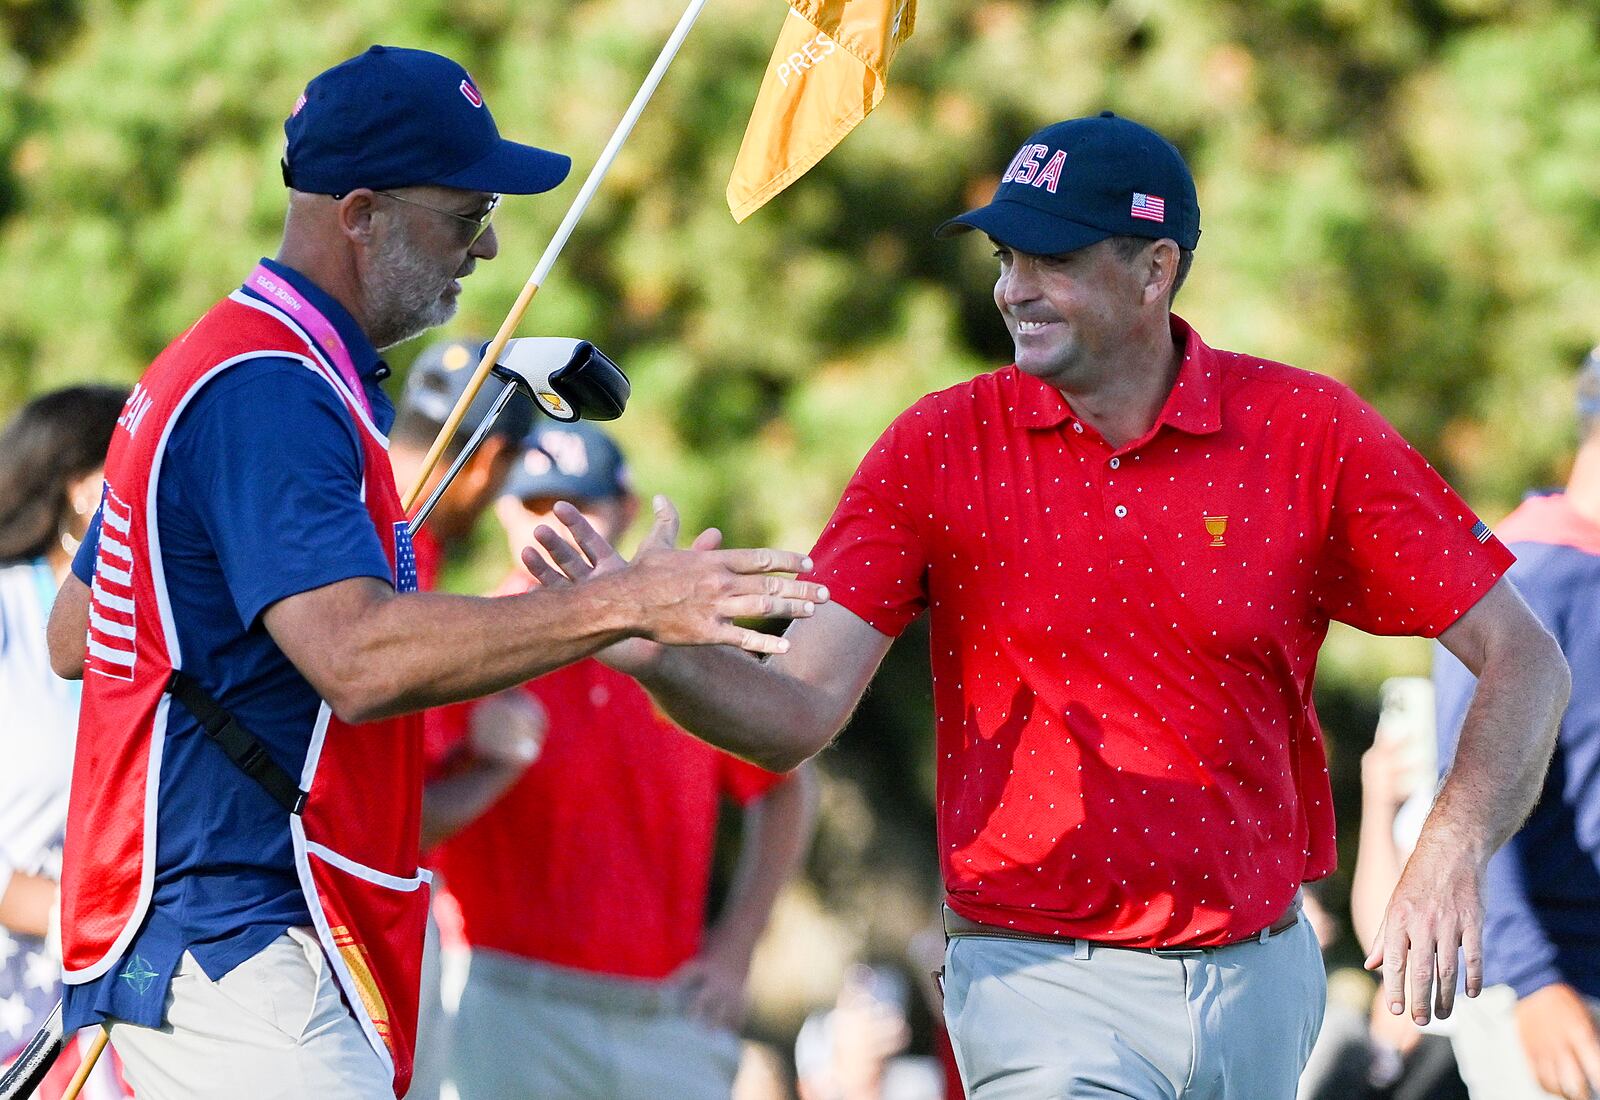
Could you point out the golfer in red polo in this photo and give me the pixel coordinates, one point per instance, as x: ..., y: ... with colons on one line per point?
x: 1131, y: 546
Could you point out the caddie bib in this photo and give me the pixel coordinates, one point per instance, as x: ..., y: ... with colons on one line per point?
x: 356, y: 838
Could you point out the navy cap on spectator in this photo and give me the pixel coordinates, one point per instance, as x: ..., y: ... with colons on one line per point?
x: 394, y: 117
x: 1080, y: 181
x: 576, y: 462
x: 438, y: 378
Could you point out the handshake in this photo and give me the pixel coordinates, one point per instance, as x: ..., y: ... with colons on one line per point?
x: 674, y: 596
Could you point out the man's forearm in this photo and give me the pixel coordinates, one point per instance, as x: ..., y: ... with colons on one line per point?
x: 1505, y: 746
x: 749, y: 707
x: 454, y: 802
x: 427, y: 649
x: 777, y: 833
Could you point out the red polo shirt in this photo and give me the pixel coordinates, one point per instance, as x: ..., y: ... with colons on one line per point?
x: 600, y: 856
x: 1124, y: 640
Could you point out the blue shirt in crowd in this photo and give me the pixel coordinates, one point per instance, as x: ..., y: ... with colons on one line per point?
x: 259, y: 498
x: 1542, y: 897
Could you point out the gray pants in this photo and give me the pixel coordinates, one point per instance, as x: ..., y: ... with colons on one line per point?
x: 1073, y: 1021
x: 525, y: 1029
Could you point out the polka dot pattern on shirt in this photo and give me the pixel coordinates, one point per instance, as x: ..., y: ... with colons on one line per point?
x: 1124, y: 638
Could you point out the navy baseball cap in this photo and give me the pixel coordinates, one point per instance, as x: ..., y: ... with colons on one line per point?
x: 575, y: 462
x: 1080, y: 181
x: 394, y: 117
x: 439, y: 377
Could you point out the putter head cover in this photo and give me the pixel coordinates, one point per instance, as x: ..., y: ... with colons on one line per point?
x: 567, y: 379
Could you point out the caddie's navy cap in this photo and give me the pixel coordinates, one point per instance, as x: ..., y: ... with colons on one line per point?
x: 576, y: 462
x: 439, y: 377
x: 1080, y: 181
x: 394, y: 117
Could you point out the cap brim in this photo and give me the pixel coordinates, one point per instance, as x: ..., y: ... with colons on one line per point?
x: 1024, y: 228
x: 512, y: 168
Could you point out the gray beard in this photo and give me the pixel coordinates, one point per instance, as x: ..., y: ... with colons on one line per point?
x: 405, y: 296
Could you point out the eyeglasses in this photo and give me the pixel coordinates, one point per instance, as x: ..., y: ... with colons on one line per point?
x: 479, y: 224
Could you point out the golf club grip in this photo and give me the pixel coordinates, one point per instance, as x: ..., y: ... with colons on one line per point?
x: 31, y: 1066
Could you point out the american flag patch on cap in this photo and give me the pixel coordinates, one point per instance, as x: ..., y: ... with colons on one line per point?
x: 1480, y: 531
x: 1152, y: 208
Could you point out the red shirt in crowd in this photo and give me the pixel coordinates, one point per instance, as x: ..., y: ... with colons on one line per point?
x: 599, y: 857
x: 1124, y: 640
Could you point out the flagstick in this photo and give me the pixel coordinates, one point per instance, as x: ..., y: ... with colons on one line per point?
x: 492, y: 354
x: 87, y: 1067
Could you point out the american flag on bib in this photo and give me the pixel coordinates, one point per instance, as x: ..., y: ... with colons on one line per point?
x: 1480, y: 531
x: 405, y: 559
x: 111, y: 614
x: 1151, y: 208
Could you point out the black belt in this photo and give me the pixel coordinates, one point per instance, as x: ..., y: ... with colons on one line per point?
x: 957, y: 925
x: 242, y: 747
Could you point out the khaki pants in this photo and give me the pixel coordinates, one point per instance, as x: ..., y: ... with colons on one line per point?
x: 1047, y: 1021
x: 1489, y: 1050
x: 529, y: 1030
x: 273, y: 1028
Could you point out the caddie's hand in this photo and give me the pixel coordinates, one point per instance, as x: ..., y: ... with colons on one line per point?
x: 508, y: 729
x: 1560, y: 1039
x: 717, y: 986
x: 686, y: 597
x: 1435, y: 917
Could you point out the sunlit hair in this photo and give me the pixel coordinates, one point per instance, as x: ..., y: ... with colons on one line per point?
x: 54, y: 440
x: 1127, y: 248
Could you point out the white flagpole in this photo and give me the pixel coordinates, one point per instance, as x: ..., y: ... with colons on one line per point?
x: 548, y: 260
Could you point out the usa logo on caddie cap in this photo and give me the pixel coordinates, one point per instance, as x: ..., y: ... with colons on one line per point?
x: 471, y: 93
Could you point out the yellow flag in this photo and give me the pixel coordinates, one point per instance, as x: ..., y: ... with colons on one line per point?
x: 827, y: 72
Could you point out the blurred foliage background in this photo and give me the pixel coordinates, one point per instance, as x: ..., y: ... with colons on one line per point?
x: 1399, y: 193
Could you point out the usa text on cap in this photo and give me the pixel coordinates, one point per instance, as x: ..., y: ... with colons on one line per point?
x: 1080, y: 181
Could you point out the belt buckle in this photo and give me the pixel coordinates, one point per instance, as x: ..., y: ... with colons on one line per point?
x: 1177, y: 952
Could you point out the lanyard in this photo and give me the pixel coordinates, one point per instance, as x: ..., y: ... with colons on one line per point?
x: 278, y: 291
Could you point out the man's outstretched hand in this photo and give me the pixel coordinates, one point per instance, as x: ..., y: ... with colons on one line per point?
x: 679, y: 597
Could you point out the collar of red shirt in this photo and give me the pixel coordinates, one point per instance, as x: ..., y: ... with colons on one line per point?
x: 1193, y: 406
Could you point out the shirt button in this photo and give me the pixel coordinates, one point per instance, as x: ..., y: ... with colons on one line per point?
x: 1077, y: 427
x: 1120, y: 511
x: 1115, y: 462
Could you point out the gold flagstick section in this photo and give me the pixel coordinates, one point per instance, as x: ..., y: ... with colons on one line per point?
x: 88, y: 1065
x: 557, y: 243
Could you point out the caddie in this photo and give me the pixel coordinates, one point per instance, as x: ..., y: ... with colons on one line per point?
x: 1131, y: 545
x: 241, y: 897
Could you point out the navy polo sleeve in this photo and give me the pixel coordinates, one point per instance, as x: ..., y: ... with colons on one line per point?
x: 267, y: 463
x: 88, y: 551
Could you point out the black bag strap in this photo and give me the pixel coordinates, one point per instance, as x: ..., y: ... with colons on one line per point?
x: 241, y: 746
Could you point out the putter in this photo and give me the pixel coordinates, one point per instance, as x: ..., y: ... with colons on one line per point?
x: 566, y: 379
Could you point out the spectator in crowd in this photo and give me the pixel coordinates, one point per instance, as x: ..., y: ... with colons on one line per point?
x: 583, y: 889
x: 51, y: 457
x: 1533, y: 1033
x: 856, y: 1049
